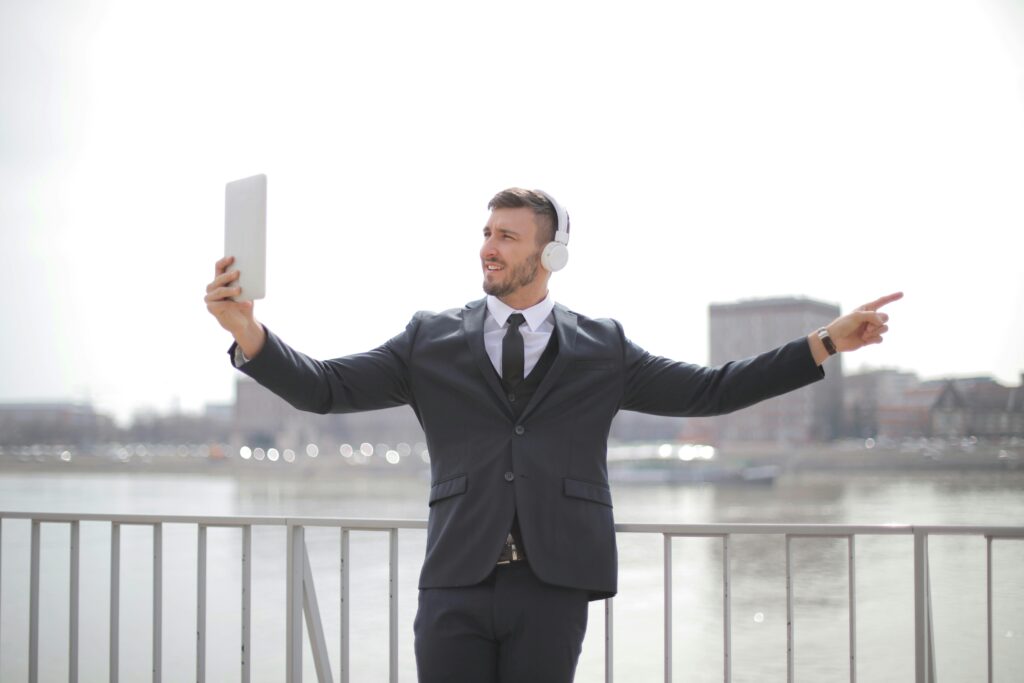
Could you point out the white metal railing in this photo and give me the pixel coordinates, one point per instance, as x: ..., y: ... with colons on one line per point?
x: 302, y: 602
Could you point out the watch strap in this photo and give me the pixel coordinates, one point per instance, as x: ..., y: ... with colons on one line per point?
x: 826, y: 340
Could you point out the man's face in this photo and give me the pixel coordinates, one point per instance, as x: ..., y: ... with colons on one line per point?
x: 510, y: 255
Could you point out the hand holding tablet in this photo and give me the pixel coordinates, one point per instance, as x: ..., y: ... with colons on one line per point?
x: 240, y: 276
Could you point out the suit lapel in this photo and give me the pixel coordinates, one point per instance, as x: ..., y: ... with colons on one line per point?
x: 473, y: 329
x: 565, y: 328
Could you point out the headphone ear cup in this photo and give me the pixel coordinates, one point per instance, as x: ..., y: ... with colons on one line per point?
x: 555, y: 256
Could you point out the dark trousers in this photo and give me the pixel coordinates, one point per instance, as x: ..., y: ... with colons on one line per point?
x: 511, y: 628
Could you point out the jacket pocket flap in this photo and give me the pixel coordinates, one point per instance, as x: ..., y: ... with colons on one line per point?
x: 586, y: 490
x: 447, y: 488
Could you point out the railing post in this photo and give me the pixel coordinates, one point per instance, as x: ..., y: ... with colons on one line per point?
x: 668, y: 607
x: 246, y: 602
x: 115, y: 600
x: 313, y: 624
x: 73, y: 600
x: 921, y: 606
x: 158, y: 601
x: 790, y: 645
x: 932, y: 678
x: 343, y: 662
x: 393, y: 606
x: 33, y: 606
x: 726, y: 609
x: 201, y: 606
x: 608, y: 640
x: 293, y: 617
x: 853, y: 609
x: 988, y: 600
x: 1, y: 580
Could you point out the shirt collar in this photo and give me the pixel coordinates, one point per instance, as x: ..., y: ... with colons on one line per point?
x: 535, y: 315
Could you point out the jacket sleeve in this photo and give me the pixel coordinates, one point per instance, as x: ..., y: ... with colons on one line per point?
x: 364, y: 381
x: 660, y: 386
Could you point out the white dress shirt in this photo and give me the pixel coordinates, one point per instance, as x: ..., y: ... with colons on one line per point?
x: 536, y: 331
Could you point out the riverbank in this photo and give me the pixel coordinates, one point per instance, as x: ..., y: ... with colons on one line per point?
x: 665, y: 463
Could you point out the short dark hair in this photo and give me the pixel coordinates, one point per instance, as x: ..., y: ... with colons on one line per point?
x: 517, y: 198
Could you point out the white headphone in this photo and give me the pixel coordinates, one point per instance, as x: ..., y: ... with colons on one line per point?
x: 556, y: 253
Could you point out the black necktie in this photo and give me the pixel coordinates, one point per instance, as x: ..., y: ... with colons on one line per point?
x: 512, y: 351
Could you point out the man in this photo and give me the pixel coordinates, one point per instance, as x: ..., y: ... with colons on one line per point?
x: 516, y: 395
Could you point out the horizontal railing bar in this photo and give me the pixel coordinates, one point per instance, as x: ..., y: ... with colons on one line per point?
x: 139, y: 519
x: 725, y: 534
x: 692, y: 530
x: 820, y: 530
x: 713, y: 530
x: 358, y: 524
x: 995, y: 531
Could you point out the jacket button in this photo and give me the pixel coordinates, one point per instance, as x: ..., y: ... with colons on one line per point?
x: 512, y: 398
x: 520, y: 430
x: 509, y: 476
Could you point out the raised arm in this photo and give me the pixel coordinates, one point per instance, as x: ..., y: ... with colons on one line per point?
x: 234, y: 316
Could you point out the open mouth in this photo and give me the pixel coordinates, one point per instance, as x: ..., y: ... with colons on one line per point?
x: 493, y: 267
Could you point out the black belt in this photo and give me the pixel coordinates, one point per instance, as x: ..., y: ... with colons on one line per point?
x: 511, y: 552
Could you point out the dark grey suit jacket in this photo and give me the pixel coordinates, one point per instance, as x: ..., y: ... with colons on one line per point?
x: 549, y: 465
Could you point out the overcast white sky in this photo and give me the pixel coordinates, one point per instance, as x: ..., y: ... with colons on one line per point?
x: 707, y: 152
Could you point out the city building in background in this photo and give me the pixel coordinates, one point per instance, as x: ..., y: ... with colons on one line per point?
x: 888, y: 403
x: 746, y: 328
x: 54, y: 423
x: 978, y: 407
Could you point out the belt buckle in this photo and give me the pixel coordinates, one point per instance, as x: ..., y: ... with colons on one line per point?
x: 509, y: 553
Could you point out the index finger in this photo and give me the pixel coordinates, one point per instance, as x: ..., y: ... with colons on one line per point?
x: 221, y: 265
x: 878, y: 303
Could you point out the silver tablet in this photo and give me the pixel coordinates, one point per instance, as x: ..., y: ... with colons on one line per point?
x: 245, y: 234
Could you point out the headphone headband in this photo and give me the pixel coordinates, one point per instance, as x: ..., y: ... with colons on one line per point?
x: 555, y: 255
x: 562, y: 219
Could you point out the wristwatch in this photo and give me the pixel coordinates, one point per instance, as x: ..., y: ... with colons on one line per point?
x: 826, y: 339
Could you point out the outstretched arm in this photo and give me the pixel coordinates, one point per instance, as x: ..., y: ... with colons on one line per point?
x: 858, y: 328
x: 364, y: 381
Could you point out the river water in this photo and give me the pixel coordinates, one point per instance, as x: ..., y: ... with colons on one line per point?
x: 884, y: 577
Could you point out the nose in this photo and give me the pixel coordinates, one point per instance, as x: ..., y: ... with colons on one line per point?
x: 488, y: 251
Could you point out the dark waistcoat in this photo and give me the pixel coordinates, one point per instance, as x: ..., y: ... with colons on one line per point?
x: 519, y: 397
